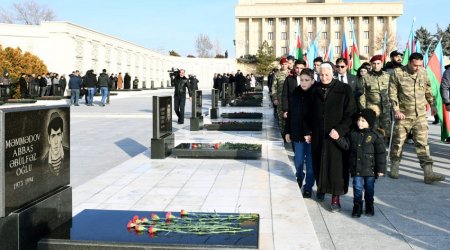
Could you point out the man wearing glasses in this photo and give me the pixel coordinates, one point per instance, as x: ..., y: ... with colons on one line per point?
x: 343, y: 76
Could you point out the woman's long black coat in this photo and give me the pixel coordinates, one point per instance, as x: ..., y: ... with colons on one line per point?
x: 334, y: 111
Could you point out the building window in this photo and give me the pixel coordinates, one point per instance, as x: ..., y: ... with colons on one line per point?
x: 365, y: 20
x: 310, y: 35
x: 381, y: 19
x: 297, y: 20
x: 284, y: 50
x: 337, y: 35
x: 337, y: 20
x: 283, y: 21
x: 309, y: 20
x: 270, y: 36
x: 324, y: 20
x: 324, y: 35
x: 366, y: 34
x: 337, y: 50
x: 351, y: 19
x: 283, y: 35
x: 366, y: 50
x: 270, y: 21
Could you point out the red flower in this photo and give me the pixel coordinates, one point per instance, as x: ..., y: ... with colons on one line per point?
x: 135, y: 218
x: 152, y: 230
x: 139, y: 228
x: 194, y: 146
x: 169, y: 216
x: 130, y: 224
x: 144, y: 219
x: 155, y: 217
x: 183, y: 213
x: 217, y: 146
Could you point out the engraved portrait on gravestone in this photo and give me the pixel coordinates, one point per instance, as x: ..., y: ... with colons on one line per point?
x: 57, y: 152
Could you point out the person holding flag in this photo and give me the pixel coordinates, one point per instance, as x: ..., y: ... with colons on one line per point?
x: 409, y: 91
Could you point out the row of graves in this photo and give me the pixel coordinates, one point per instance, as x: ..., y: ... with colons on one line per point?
x: 240, y: 231
x: 36, y: 196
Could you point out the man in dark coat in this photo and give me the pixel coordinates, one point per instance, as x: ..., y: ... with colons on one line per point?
x: 351, y: 80
x: 181, y: 83
x: 333, y: 106
x: 127, y: 81
x: 23, y: 85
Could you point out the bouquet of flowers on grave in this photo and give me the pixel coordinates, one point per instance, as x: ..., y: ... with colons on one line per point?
x: 192, y: 223
x: 226, y: 146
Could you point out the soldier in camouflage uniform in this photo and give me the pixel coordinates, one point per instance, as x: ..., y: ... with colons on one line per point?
x: 375, y: 87
x: 409, y: 92
x: 277, y: 90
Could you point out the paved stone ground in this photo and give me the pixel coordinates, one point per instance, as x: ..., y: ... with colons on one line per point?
x: 111, y: 169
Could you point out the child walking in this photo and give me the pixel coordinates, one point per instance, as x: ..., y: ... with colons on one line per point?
x: 296, y: 128
x: 367, y: 160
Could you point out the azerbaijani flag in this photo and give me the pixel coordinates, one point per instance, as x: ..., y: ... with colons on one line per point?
x: 426, y: 57
x: 435, y: 70
x: 356, y: 62
x: 383, y: 51
x: 409, y: 44
x: 299, y: 50
x: 345, y: 53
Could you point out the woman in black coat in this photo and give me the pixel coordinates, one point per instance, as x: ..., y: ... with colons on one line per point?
x: 333, y: 106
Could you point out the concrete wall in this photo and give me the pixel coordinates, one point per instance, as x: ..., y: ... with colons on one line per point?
x: 65, y: 47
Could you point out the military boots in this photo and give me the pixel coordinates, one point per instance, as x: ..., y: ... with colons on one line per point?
x: 395, y: 165
x: 430, y: 176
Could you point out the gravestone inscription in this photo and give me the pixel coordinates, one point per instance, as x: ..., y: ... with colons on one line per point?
x: 214, y: 111
x: 163, y: 138
x: 196, y: 119
x: 34, y: 154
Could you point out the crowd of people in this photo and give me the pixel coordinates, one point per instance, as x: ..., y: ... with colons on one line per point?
x: 243, y: 84
x: 53, y: 84
x: 340, y: 125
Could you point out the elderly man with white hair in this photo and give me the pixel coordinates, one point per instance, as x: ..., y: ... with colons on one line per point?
x: 333, y: 106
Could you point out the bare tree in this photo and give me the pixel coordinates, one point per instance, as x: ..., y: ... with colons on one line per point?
x: 203, y: 46
x: 391, y: 40
x: 30, y: 13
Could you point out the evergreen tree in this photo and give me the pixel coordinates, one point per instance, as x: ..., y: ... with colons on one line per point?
x: 425, y: 38
x: 445, y: 36
x: 264, y: 59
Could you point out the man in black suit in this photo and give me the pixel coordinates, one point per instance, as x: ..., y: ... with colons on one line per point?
x: 343, y: 76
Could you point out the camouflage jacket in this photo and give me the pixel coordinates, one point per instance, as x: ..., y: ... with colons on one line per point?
x: 278, y: 83
x: 375, y: 89
x: 409, y: 93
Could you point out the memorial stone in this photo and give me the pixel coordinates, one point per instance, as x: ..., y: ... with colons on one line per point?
x: 35, y: 196
x: 163, y: 138
x: 196, y: 119
x: 214, y: 111
x: 224, y: 95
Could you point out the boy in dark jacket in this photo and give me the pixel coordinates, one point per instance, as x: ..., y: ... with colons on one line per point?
x: 297, y: 130
x: 367, y: 160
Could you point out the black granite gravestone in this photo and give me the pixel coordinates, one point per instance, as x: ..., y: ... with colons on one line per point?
x: 34, y: 173
x: 196, y: 119
x: 214, y: 111
x: 107, y: 229
x: 163, y: 138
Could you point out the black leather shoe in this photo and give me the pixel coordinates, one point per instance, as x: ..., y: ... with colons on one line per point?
x: 320, y: 196
x: 307, y: 194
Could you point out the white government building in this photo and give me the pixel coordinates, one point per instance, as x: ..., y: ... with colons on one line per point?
x: 276, y: 22
x: 65, y: 47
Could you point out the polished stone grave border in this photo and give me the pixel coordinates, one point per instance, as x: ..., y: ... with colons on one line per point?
x: 107, y: 229
x: 184, y: 150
